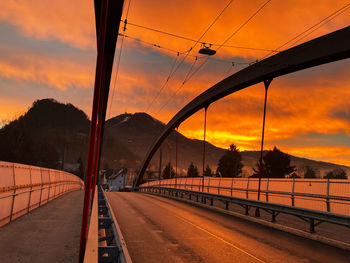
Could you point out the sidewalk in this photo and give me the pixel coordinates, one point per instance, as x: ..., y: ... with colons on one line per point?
x: 50, y: 233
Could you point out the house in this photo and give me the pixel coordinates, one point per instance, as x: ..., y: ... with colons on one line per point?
x: 116, y: 181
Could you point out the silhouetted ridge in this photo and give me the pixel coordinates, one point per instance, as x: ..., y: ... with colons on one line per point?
x: 48, y: 113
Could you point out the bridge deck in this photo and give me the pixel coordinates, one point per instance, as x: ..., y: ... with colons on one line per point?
x: 47, y: 234
x: 158, y: 229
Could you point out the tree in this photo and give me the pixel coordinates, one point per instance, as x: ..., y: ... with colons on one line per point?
x: 276, y: 164
x: 230, y: 164
x: 208, y: 172
x: 192, y: 171
x: 309, y: 172
x: 337, y: 173
x: 168, y: 171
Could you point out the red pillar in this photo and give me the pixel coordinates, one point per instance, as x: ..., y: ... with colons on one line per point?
x: 93, y: 128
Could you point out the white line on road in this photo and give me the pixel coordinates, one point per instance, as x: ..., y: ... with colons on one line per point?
x: 210, y: 233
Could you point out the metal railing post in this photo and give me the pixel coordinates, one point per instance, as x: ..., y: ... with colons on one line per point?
x: 48, y: 195
x: 247, y: 194
x: 31, y: 187
x: 41, y: 190
x: 267, y: 189
x: 219, y: 185
x: 232, y: 185
x: 327, y: 197
x: 14, y: 191
x: 292, y: 194
x: 208, y: 184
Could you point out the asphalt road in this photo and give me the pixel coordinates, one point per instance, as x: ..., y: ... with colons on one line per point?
x: 157, y: 229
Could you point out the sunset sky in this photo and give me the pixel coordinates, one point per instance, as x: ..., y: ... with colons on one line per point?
x: 48, y: 50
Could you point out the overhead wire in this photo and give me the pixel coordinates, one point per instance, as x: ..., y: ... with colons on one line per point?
x: 220, y: 46
x: 330, y: 18
x: 316, y: 26
x: 244, y: 24
x: 194, y: 40
x: 153, y: 44
x: 197, y: 41
x: 118, y: 61
x: 164, y: 84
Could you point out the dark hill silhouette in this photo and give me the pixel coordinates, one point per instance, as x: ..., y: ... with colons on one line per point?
x: 50, y: 132
x: 139, y: 130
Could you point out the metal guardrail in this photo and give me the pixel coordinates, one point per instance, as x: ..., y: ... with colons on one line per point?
x: 313, y: 200
x: 313, y: 217
x: 111, y: 244
x: 25, y: 187
x: 316, y: 194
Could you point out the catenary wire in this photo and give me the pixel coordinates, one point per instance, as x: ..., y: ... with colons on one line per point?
x: 205, y: 61
x: 188, y: 52
x: 319, y: 24
x: 193, y: 40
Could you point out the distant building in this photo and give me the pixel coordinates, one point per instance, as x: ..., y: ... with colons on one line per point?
x: 116, y: 180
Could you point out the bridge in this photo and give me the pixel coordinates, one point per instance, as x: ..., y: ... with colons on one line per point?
x: 180, y: 219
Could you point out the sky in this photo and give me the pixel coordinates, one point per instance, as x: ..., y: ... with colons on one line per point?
x: 48, y: 50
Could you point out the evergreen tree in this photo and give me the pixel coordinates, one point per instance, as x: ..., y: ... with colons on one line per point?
x: 168, y: 171
x: 276, y: 164
x: 208, y: 172
x: 336, y: 174
x: 309, y: 172
x: 192, y: 171
x: 230, y: 164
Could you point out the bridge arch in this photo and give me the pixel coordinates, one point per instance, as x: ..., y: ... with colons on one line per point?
x: 325, y: 49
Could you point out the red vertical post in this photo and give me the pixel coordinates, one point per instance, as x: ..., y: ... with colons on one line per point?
x: 204, y: 134
x: 266, y: 84
x: 93, y: 128
x: 98, y: 143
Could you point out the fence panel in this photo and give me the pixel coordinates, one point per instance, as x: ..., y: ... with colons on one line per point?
x: 7, y: 191
x: 24, y: 188
x: 22, y: 181
x: 317, y: 194
x: 36, y: 188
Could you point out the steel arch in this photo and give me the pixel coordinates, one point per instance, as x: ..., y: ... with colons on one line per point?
x: 325, y: 49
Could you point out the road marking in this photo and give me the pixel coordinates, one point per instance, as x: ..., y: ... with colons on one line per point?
x: 210, y: 233
x: 219, y: 238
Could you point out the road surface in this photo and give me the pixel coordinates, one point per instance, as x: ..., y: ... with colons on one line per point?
x: 157, y: 229
x: 50, y: 233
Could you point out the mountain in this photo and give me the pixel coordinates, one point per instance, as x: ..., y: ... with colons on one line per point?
x: 139, y: 130
x: 51, y: 133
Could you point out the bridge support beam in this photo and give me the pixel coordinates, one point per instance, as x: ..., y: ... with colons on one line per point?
x: 267, y: 85
x: 204, y: 135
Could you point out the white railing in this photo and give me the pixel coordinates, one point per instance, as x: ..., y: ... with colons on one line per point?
x: 25, y: 187
x: 317, y: 194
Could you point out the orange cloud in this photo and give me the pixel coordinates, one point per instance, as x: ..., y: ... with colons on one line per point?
x: 59, y: 73
x: 70, y: 22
